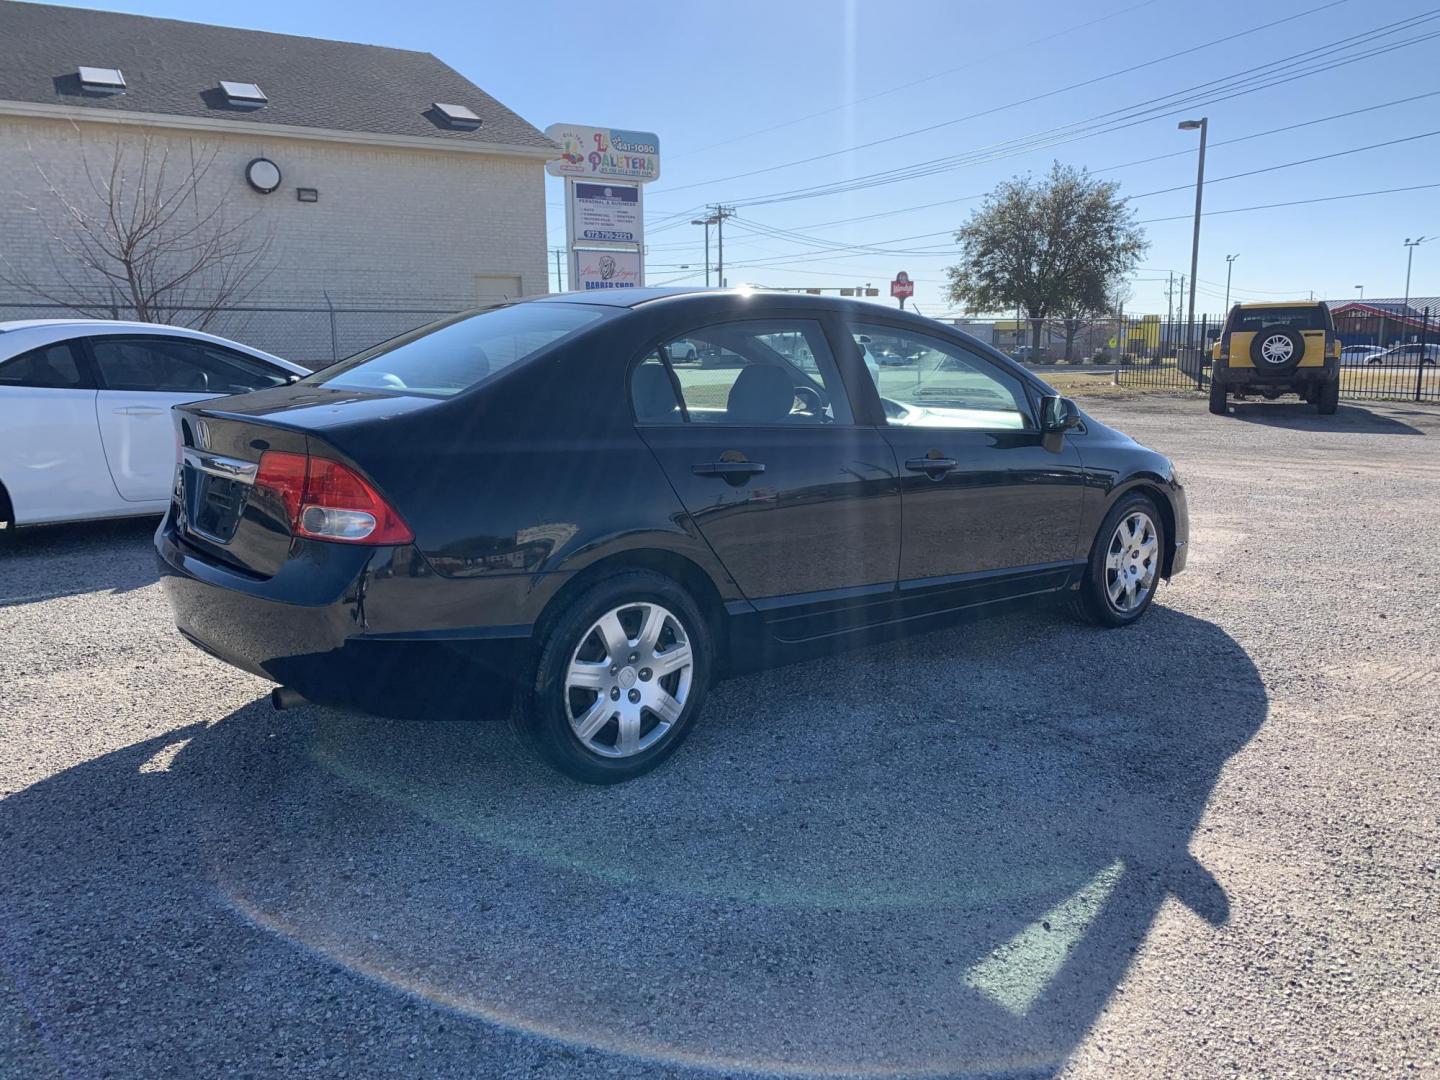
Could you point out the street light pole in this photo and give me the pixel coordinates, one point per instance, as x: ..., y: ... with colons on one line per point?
x: 1361, y: 290
x: 707, y: 222
x: 1229, y: 266
x: 1203, y: 124
x: 1411, y: 245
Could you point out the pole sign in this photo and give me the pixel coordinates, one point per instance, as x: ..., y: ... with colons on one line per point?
x: 605, y: 170
x: 902, y: 287
x: 604, y: 153
x: 606, y: 270
x: 606, y: 212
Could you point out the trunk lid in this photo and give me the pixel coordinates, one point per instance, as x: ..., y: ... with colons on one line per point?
x: 219, y: 510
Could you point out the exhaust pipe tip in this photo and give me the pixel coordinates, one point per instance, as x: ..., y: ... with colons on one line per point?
x: 285, y: 697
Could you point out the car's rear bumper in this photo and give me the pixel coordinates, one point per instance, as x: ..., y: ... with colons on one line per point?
x: 326, y: 641
x: 1222, y: 372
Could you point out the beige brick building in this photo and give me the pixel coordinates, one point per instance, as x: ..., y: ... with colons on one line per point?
x: 387, y: 207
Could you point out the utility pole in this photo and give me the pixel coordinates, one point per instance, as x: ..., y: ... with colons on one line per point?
x: 1203, y: 124
x: 718, y: 214
x: 559, y: 281
x: 1229, y: 266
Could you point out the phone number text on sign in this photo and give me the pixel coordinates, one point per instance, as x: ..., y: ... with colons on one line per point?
x: 607, y: 212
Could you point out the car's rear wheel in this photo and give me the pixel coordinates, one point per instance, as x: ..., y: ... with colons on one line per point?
x: 1327, y: 398
x: 1125, y: 562
x: 1217, y: 397
x: 621, y: 677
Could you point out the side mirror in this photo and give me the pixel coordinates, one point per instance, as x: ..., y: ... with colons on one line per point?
x: 1058, y: 415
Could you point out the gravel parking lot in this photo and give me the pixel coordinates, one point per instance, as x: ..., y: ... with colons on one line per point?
x: 1206, y: 845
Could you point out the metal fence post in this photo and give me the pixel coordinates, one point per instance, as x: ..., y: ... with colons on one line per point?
x: 334, y: 343
x: 1420, y: 360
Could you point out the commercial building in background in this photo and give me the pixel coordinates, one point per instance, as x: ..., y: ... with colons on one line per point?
x: 299, y: 176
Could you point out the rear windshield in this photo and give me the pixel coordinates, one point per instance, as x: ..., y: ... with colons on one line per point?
x: 1298, y: 318
x: 446, y: 357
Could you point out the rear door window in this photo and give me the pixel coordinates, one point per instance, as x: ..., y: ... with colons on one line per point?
x: 51, y: 366
x: 178, y: 366
x: 759, y: 372
x: 447, y: 357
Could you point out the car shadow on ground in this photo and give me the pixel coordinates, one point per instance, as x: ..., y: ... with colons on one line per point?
x: 46, y: 561
x: 1355, y: 419
x: 938, y: 856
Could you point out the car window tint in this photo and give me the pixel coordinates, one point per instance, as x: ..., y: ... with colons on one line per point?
x: 455, y: 354
x: 53, y: 366
x: 773, y: 371
x: 928, y: 382
x: 178, y: 365
x: 653, y: 394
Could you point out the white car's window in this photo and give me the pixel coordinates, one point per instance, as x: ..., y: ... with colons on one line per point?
x: 177, y: 365
x: 928, y: 382
x: 52, y: 366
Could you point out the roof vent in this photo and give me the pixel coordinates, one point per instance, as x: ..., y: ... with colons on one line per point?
x: 458, y: 116
x: 243, y: 95
x: 100, y: 80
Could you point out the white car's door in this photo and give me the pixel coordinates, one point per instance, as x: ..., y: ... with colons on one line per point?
x: 51, y: 460
x: 141, y: 378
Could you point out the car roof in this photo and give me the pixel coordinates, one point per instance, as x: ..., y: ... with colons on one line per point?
x: 122, y: 326
x: 634, y: 298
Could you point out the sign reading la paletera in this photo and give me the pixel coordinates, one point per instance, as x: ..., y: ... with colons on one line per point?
x: 604, y: 153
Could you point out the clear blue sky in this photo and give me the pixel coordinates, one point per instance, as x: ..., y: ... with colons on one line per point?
x: 710, y: 77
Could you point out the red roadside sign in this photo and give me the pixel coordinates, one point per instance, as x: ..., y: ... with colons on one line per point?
x: 902, y: 286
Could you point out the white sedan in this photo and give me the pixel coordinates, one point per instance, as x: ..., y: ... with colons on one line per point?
x: 85, y: 428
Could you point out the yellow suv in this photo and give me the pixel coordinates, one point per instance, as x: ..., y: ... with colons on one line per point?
x: 1274, y: 349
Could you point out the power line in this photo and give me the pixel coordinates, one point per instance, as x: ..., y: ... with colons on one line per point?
x: 1142, y: 161
x: 906, y: 86
x: 1141, y: 113
x: 1293, y: 202
x: 1014, y: 104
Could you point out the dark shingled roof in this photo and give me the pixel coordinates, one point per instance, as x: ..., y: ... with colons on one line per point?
x: 174, y: 68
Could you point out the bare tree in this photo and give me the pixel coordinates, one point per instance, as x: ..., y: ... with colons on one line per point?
x: 143, y: 236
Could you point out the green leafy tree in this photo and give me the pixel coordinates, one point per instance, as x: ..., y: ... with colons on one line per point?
x: 1055, y: 247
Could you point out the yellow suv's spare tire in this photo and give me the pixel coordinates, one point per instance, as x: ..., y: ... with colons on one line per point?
x: 1276, y: 350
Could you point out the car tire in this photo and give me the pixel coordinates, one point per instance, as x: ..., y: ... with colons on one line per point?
x: 1327, y: 400
x: 1217, y: 397
x: 587, y: 711
x: 1095, y: 600
x: 1276, y: 350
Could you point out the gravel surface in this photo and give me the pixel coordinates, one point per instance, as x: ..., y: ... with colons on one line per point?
x: 1207, y: 845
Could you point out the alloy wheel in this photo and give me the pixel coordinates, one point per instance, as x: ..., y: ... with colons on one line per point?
x: 1132, y: 562
x: 1277, y: 349
x: 628, y: 680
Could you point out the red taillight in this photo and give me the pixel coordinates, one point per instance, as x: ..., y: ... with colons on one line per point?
x: 326, y: 500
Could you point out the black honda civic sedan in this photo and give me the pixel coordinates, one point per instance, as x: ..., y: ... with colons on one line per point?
x: 557, y: 511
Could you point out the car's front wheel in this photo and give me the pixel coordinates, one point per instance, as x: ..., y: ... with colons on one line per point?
x: 1125, y: 563
x: 621, y: 676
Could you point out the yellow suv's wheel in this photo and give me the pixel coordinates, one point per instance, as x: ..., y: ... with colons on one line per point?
x: 1276, y: 350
